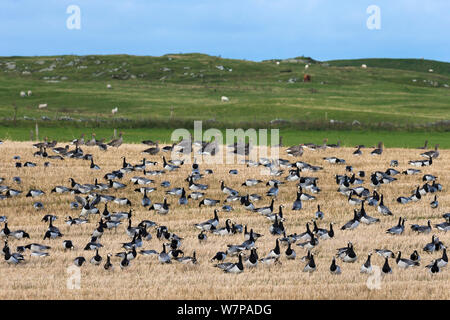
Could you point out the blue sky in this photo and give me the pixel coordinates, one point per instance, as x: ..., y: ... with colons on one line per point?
x: 242, y: 29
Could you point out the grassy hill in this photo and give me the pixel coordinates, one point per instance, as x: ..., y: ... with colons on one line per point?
x: 173, y: 90
x: 420, y: 65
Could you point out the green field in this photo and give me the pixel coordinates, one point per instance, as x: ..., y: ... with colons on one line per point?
x: 397, y: 101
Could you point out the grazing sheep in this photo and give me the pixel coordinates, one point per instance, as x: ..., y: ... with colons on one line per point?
x: 29, y: 93
x: 306, y: 66
x: 430, y: 70
x: 42, y: 106
x: 108, y: 86
x: 364, y: 66
x: 114, y: 111
x: 224, y: 99
x: 23, y: 94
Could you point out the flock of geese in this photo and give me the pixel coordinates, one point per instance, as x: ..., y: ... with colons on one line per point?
x: 91, y: 200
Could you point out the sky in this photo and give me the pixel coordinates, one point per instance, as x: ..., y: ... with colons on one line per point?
x: 239, y: 29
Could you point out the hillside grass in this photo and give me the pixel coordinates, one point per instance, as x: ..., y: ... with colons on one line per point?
x: 381, y: 98
x: 348, y: 138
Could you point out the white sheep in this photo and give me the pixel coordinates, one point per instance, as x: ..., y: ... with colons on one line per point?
x: 42, y: 106
x: 224, y: 99
x: 108, y: 86
x: 306, y: 66
x: 364, y: 66
x: 430, y: 70
x: 29, y: 93
x: 23, y: 94
x: 114, y: 111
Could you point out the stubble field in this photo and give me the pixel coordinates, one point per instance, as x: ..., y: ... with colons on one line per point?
x: 146, y: 278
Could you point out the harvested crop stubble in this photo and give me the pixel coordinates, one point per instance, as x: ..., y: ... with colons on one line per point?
x: 146, y: 278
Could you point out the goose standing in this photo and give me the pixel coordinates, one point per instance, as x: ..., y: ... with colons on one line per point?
x: 444, y: 226
x: 153, y: 150
x: 161, y: 208
x: 168, y: 166
x: 353, y: 201
x: 275, y: 252
x: 227, y: 190
x: 431, y: 154
x: 367, y: 266
x: 290, y: 253
x: 163, y: 257
x: 364, y: 218
x: 183, y: 200
x: 297, y: 205
x: 236, y: 267
x: 443, y: 261
x: 435, y: 203
x: 116, y: 142
x: 386, y: 268
x: 383, y: 209
x: 378, y: 151
x: 108, y: 265
x: 251, y: 234
x: 424, y: 146
x: 319, y: 214
x: 353, y: 223
x: 97, y: 259
x: 357, y: 152
x: 278, y: 215
x: 334, y: 268
x: 416, y: 196
x: 326, y: 234
x: 14, y: 258
x: 265, y: 210
x: 434, y: 268
x: 125, y: 263
x: 225, y: 230
x: 187, y: 260
x: 422, y: 229
x: 207, y: 225
x: 145, y: 199
x: 311, y: 243
x: 405, y: 263
x: 347, y: 254
x: 311, y: 265
x: 399, y: 228
x: 94, y: 166
x: 273, y: 192
x: 252, y: 260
